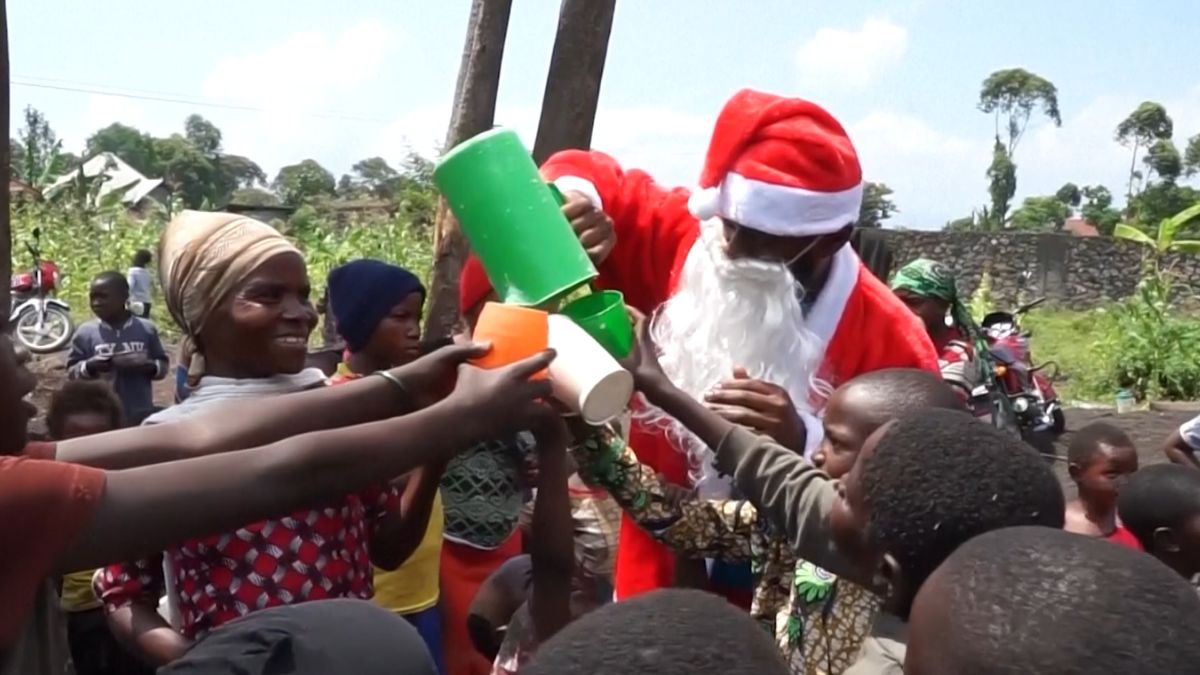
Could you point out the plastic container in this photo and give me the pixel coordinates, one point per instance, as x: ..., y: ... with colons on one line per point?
x: 515, y: 333
x: 1126, y: 401
x: 512, y: 219
x: 585, y: 377
x: 604, y: 317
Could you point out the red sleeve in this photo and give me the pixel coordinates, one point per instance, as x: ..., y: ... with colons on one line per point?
x: 654, y: 228
x: 44, y: 506
x: 876, y: 332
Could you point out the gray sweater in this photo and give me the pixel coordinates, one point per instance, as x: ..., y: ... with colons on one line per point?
x: 797, y: 497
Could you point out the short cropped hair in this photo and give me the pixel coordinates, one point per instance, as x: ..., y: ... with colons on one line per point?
x: 82, y: 396
x: 1087, y: 441
x: 1162, y: 495
x: 667, y: 631
x: 940, y: 477
x: 1039, y: 600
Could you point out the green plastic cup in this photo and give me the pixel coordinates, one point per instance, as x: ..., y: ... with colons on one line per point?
x: 512, y: 219
x: 603, y: 316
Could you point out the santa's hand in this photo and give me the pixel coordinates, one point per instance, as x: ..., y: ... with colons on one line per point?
x: 764, y: 407
x: 591, y: 225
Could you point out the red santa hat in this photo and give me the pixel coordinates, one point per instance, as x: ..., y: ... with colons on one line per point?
x: 473, y: 285
x: 779, y: 165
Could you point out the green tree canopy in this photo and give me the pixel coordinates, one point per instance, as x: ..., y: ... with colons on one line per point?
x: 37, y: 157
x: 1002, y: 185
x: 877, y: 205
x: 1145, y: 125
x: 1012, y: 95
x: 189, y: 173
x: 303, y: 182
x: 1098, y: 210
x: 1164, y: 161
x: 376, y: 176
x: 1191, y: 156
x: 136, y: 148
x: 1040, y: 213
x: 1069, y: 194
x: 202, y: 134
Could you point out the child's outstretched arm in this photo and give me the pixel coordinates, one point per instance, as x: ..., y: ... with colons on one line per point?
x: 794, y: 495
x: 693, y: 527
x: 249, y: 424
x: 1180, y: 446
x: 552, y: 550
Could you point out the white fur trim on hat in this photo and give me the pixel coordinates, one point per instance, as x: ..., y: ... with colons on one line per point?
x: 567, y: 184
x: 777, y: 209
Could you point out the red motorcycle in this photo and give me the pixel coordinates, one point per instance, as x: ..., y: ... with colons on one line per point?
x: 40, y: 322
x: 1034, y: 402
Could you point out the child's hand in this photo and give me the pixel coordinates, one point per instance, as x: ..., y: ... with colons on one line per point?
x: 642, y: 362
x: 505, y: 399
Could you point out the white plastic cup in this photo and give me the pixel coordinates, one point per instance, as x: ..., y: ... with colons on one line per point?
x: 585, y: 377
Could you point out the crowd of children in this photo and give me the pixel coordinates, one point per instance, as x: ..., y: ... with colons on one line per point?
x: 408, y: 512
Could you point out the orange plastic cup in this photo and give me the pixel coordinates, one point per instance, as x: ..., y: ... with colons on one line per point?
x: 515, y: 332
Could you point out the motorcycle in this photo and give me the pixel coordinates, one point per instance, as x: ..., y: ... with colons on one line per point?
x: 40, y: 322
x: 1029, y: 392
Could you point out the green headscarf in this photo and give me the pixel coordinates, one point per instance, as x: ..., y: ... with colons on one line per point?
x: 931, y: 279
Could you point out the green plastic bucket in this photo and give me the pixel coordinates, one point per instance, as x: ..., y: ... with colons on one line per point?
x: 512, y: 219
x: 603, y: 316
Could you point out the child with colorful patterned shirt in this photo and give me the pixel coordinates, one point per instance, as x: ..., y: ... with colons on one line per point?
x: 818, y: 621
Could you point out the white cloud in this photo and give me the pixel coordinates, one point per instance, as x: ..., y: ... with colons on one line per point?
x: 308, y: 72
x: 836, y: 57
x: 666, y: 142
x: 936, y: 176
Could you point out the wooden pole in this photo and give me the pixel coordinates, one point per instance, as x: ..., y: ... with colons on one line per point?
x: 573, y: 83
x: 474, y: 112
x: 5, y: 170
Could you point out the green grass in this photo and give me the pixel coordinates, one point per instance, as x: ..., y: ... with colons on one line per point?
x: 1073, y: 341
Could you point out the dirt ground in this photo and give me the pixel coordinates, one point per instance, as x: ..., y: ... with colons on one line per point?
x: 1148, y: 429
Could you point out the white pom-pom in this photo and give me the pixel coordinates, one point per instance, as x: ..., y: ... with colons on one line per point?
x: 704, y: 202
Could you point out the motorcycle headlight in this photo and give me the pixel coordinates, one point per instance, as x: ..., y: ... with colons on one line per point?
x: 1020, y: 405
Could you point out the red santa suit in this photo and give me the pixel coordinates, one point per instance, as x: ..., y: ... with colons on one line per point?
x: 780, y: 166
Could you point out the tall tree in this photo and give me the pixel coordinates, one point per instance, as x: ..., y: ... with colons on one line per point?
x: 1002, y: 185
x: 1040, y: 214
x: 1098, y: 210
x: 41, y: 157
x: 134, y: 147
x: 303, y: 182
x: 474, y: 112
x: 1069, y: 194
x: 1145, y: 125
x: 877, y: 205
x: 377, y: 177
x: 1191, y: 156
x: 202, y: 134
x: 187, y: 171
x: 240, y: 172
x: 1164, y: 161
x: 576, y: 70
x: 1011, y: 96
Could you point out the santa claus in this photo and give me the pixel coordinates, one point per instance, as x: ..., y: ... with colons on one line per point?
x: 759, y: 304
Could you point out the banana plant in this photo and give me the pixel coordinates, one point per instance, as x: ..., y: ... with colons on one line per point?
x: 1165, y: 240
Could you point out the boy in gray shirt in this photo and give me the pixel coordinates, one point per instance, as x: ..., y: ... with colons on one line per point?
x: 118, y: 347
x: 141, y: 285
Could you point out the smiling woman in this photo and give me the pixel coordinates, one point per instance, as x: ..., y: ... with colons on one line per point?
x: 240, y: 292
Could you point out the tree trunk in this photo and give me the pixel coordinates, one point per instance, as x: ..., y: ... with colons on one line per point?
x: 5, y: 169
x: 573, y: 83
x: 474, y: 112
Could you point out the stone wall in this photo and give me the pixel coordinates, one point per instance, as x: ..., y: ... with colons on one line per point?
x: 1073, y: 272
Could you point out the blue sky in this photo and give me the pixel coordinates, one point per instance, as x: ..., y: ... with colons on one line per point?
x: 902, y: 76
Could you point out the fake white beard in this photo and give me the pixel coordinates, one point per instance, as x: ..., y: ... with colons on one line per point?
x: 728, y: 314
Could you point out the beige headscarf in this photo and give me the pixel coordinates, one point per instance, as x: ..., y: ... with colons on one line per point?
x: 202, y: 257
